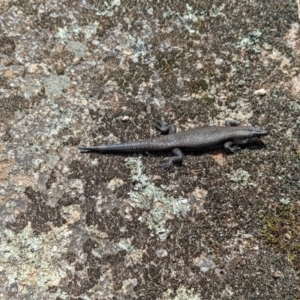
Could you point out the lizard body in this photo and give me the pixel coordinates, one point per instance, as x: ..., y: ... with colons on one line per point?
x: 201, y: 138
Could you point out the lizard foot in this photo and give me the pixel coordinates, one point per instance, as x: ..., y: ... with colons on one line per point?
x: 158, y: 123
x: 164, y: 128
x: 236, y: 149
x: 166, y: 165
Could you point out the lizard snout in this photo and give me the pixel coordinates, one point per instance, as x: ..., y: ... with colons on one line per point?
x: 261, y: 132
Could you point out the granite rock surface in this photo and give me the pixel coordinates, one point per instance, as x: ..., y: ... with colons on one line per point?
x: 90, y: 226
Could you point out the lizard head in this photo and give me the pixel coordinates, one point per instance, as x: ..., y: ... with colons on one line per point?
x: 257, y: 132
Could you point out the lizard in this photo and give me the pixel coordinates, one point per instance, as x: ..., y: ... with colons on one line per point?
x: 229, y: 137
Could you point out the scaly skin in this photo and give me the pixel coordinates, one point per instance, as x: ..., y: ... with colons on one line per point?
x: 200, y: 138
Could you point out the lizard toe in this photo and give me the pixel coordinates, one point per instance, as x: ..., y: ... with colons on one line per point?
x: 236, y: 149
x: 166, y: 165
x: 159, y: 124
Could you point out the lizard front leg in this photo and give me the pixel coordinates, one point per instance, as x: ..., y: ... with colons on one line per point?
x: 165, y: 128
x: 228, y: 147
x: 232, y: 123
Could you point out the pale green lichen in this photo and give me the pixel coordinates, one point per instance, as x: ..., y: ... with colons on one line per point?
x: 115, y: 183
x: 29, y: 86
x: 294, y: 106
x: 128, y: 288
x: 62, y: 33
x: 34, y: 262
x: 110, y: 7
x: 124, y: 244
x: 189, y: 18
x: 285, y: 200
x: 67, y: 33
x: 77, y: 48
x: 217, y: 11
x: 251, y: 41
x: 54, y: 85
x: 181, y: 294
x: 242, y: 177
x: 156, y: 202
x: 53, y: 160
x: 133, y: 256
x: 36, y: 140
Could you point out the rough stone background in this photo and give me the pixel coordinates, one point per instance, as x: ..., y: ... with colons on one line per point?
x: 88, y: 226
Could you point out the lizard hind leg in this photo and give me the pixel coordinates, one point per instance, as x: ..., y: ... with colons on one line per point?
x: 175, y: 159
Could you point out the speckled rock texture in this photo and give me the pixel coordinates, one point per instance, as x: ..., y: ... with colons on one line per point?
x: 90, y: 226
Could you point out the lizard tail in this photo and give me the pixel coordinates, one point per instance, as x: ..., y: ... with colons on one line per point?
x: 121, y: 147
x: 84, y: 149
x: 137, y: 146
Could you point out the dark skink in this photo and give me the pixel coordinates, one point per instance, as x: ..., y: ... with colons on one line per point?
x: 200, y: 138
